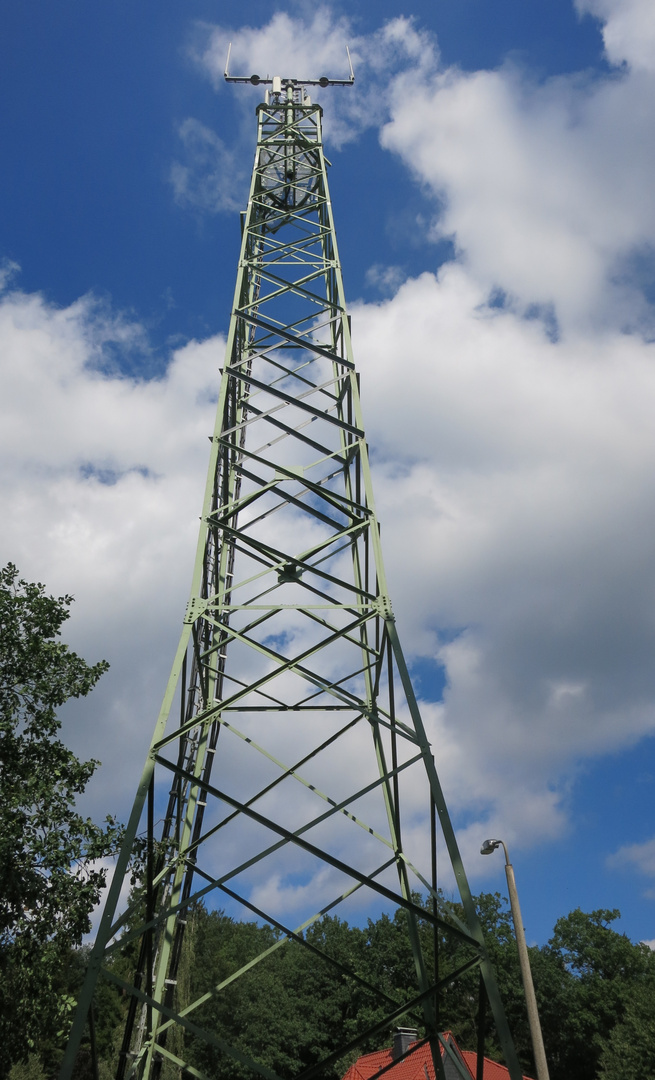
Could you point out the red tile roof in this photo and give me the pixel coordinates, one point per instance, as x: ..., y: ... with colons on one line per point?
x: 492, y: 1069
x: 410, y: 1068
x: 418, y: 1064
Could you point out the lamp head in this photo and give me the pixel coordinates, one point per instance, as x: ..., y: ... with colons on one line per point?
x: 489, y: 846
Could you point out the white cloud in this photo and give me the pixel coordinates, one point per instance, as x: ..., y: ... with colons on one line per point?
x: 628, y: 30
x: 508, y: 402
x: 639, y: 856
x: 545, y: 188
x: 387, y: 279
x: 212, y: 176
x: 8, y: 270
x: 520, y: 469
x: 100, y: 487
x: 280, y: 897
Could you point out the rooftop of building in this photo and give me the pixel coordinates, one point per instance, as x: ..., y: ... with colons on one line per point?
x: 411, y: 1059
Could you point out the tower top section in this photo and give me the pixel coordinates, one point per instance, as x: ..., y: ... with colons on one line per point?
x: 279, y: 84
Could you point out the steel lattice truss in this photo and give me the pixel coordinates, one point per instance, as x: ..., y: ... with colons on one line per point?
x: 289, y: 738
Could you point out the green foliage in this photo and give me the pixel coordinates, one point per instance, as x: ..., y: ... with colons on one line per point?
x: 49, y: 880
x: 595, y: 989
x: 31, y: 1069
x: 290, y: 1009
x: 599, y: 971
x: 629, y: 1053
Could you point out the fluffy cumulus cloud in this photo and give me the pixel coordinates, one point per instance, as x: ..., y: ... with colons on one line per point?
x: 520, y: 468
x: 543, y: 187
x: 100, y: 487
x: 211, y: 176
x: 628, y: 30
x: 510, y: 398
x: 639, y: 857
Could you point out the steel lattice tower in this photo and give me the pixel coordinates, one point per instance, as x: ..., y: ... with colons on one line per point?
x: 289, y: 742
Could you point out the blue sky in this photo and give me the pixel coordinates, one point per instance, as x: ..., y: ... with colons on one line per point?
x: 492, y: 184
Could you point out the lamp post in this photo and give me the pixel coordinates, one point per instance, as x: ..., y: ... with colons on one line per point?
x: 526, y: 974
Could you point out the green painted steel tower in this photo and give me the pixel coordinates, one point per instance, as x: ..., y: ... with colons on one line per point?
x: 289, y: 774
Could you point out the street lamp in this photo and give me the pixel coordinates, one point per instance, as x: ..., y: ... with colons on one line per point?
x: 526, y: 974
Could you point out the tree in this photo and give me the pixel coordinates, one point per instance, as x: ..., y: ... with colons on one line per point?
x: 629, y: 1053
x: 593, y: 974
x: 50, y: 880
x: 291, y: 1009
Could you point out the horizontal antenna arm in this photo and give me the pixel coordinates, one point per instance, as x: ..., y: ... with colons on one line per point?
x: 256, y: 80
